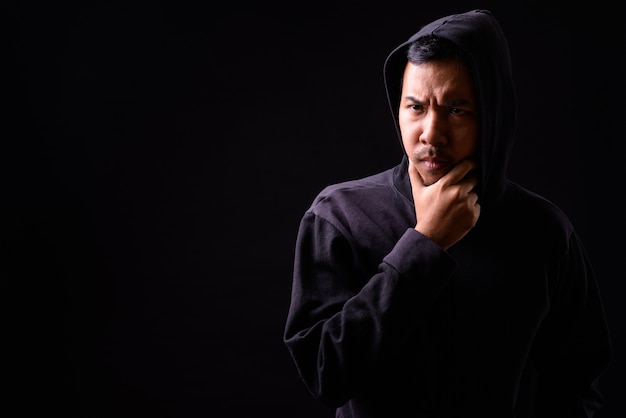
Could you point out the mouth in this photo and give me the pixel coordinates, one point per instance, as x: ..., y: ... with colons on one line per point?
x: 434, y: 165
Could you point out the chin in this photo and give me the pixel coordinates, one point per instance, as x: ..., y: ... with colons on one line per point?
x: 430, y: 178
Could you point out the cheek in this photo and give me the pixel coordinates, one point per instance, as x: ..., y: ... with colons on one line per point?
x: 408, y: 131
x: 404, y: 120
x: 469, y: 145
x: 409, y: 140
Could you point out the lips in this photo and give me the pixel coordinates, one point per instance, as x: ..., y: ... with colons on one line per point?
x: 433, y: 164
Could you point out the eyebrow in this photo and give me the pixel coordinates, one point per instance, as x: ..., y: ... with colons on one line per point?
x: 449, y: 103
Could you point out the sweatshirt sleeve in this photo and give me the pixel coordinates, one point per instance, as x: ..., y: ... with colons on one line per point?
x: 336, y: 328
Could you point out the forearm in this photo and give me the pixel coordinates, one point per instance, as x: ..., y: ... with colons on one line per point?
x: 338, y: 342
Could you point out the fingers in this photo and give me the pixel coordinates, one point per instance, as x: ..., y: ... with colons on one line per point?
x: 458, y: 173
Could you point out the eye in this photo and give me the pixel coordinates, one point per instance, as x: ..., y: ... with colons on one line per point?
x: 417, y: 107
x: 456, y: 111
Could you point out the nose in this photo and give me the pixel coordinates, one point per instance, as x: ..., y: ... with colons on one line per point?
x: 433, y: 129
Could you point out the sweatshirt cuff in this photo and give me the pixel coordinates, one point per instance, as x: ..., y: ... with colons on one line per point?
x: 415, y: 254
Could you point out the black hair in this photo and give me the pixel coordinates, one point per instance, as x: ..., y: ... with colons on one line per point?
x: 432, y: 47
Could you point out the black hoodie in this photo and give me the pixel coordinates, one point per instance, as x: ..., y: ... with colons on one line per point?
x: 508, y: 322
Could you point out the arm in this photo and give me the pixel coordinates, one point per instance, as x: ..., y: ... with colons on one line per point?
x: 338, y: 327
x: 573, y: 347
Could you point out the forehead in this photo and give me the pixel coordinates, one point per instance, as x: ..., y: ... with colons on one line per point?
x: 441, y: 78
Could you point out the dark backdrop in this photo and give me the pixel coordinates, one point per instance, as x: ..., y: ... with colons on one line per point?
x: 159, y: 155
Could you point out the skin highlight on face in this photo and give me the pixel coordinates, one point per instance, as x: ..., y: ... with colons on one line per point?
x: 438, y: 117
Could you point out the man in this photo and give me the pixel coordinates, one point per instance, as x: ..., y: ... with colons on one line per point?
x: 439, y: 288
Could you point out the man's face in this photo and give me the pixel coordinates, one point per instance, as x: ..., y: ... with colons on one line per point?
x: 438, y: 117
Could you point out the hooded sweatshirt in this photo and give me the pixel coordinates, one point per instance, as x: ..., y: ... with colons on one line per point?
x: 508, y: 322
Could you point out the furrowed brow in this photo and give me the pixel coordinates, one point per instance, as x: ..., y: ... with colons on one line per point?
x: 456, y: 103
x: 412, y: 99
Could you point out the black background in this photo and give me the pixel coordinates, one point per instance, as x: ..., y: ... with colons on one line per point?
x: 158, y: 157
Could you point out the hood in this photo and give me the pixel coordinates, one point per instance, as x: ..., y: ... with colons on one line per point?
x: 479, y: 34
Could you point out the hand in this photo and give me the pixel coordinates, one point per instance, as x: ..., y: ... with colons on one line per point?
x: 447, y: 209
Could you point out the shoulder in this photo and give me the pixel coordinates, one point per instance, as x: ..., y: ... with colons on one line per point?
x: 531, y: 200
x: 354, y: 192
x: 532, y: 210
x: 371, y: 202
x: 369, y: 212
